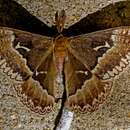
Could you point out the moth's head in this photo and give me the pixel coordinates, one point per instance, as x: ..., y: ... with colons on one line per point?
x: 60, y: 18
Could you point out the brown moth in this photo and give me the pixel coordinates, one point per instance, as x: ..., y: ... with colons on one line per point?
x: 87, y: 63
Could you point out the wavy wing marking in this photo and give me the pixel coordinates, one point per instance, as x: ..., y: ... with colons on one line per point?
x: 104, y: 54
x: 24, y: 57
x: 118, y: 57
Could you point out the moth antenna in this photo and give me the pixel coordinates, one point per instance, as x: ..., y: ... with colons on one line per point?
x: 60, y: 18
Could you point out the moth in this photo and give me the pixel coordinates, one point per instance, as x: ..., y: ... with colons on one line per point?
x: 86, y: 63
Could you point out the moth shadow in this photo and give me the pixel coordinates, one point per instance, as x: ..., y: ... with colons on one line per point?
x: 15, y: 16
x: 113, y: 15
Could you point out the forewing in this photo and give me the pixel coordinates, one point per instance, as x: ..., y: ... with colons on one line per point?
x: 103, y: 55
x: 28, y: 59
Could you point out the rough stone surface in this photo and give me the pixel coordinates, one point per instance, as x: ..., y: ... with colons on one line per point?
x: 114, y: 114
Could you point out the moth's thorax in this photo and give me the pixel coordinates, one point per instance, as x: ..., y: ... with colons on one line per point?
x: 60, y: 51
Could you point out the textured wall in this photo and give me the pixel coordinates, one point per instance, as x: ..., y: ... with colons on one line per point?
x: 114, y: 114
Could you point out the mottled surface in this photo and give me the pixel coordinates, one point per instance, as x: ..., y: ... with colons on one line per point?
x: 114, y: 114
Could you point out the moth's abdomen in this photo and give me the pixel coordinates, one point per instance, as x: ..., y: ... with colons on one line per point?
x: 60, y: 53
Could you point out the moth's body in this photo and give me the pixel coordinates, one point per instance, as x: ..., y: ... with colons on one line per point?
x: 60, y: 49
x: 89, y: 63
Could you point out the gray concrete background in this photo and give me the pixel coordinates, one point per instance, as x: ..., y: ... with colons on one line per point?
x: 114, y: 114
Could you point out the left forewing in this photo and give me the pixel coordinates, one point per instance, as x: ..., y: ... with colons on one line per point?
x: 23, y: 57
